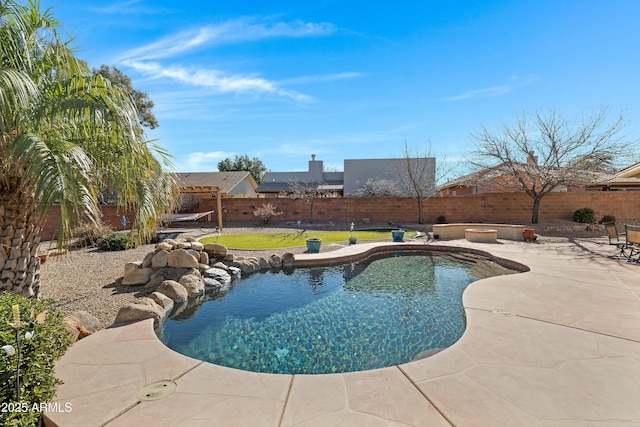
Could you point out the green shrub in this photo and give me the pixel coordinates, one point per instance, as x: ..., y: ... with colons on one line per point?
x: 29, y: 349
x: 441, y: 219
x: 115, y: 242
x: 608, y: 218
x: 584, y: 215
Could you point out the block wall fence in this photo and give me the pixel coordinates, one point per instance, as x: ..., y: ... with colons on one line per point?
x: 488, y: 207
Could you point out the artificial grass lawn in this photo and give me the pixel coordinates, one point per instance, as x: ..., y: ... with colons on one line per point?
x: 287, y: 240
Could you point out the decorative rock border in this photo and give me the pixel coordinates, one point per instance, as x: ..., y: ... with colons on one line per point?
x: 180, y: 270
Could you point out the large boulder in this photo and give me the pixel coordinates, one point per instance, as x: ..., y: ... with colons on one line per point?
x: 246, y: 265
x: 164, y: 246
x: 211, y: 283
x: 163, y: 301
x: 180, y: 258
x: 287, y: 260
x: 215, y: 250
x: 204, y: 258
x: 264, y: 263
x: 155, y: 280
x: 218, y: 274
x: 193, y: 284
x: 275, y: 261
x: 135, y: 274
x: 160, y: 259
x: 197, y: 246
x: 174, y: 290
x: 81, y: 324
x: 145, y: 309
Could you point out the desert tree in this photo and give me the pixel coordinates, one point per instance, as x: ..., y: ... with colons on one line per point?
x: 416, y: 173
x: 64, y: 134
x: 544, y: 151
x: 308, y: 192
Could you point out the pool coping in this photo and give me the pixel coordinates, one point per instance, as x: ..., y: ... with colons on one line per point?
x: 559, y: 343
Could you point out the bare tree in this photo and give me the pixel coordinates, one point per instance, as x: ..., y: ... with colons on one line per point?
x: 309, y: 192
x: 417, y: 173
x: 542, y: 152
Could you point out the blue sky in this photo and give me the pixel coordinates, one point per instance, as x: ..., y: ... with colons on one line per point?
x: 280, y: 80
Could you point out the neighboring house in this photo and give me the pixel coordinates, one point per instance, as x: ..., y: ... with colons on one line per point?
x: 205, y: 184
x: 497, y: 179
x: 340, y: 184
x: 628, y: 179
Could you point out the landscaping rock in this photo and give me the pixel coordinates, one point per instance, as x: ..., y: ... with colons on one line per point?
x: 215, y: 250
x: 135, y: 274
x: 81, y: 324
x: 180, y: 258
x: 218, y: 274
x: 275, y: 261
x: 155, y: 281
x: 287, y: 260
x: 193, y: 284
x: 146, y: 263
x: 165, y: 246
x: 204, y: 258
x: 211, y: 283
x: 246, y: 265
x: 160, y: 259
x: 145, y: 309
x: 263, y: 263
x: 197, y: 246
x: 163, y: 301
x: 174, y: 290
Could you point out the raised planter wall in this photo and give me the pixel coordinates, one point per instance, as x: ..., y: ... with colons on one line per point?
x: 488, y: 207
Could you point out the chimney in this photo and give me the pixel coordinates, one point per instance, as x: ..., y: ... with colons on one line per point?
x: 532, y: 160
x: 313, y: 157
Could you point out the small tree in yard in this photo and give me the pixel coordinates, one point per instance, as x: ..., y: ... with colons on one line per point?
x: 308, y: 192
x: 266, y: 212
x: 541, y: 152
x: 417, y: 173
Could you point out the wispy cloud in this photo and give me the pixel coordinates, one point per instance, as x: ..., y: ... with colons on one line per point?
x: 152, y: 60
x: 127, y: 8
x: 217, y: 80
x: 323, y: 78
x: 514, y: 81
x: 234, y: 31
x: 201, y: 161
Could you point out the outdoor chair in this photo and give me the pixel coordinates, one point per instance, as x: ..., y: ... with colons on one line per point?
x: 632, y: 242
x: 614, y: 239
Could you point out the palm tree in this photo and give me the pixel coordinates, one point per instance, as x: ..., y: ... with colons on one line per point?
x: 64, y: 134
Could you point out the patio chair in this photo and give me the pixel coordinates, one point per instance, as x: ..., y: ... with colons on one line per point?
x: 614, y: 239
x: 632, y: 242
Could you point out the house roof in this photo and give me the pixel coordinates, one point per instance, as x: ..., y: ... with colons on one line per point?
x: 276, y: 187
x: 226, y: 181
x: 632, y: 171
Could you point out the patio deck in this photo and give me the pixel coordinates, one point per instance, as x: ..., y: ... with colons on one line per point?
x: 558, y: 345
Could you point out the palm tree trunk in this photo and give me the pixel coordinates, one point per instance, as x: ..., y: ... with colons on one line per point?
x: 19, y: 243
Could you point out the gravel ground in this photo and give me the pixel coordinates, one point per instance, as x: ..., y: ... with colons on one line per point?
x: 89, y: 279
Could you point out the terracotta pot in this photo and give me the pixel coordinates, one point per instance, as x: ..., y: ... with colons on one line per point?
x: 529, y: 234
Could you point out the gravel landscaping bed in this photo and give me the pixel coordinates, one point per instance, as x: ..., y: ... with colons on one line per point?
x: 89, y: 279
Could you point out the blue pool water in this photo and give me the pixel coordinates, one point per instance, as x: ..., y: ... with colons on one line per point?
x: 361, y: 316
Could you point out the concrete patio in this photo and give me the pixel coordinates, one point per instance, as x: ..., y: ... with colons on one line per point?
x: 558, y: 345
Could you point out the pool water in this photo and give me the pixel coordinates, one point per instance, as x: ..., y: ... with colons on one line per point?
x: 354, y: 317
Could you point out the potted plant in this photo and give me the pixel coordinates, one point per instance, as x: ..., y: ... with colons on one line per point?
x: 397, y: 235
x: 313, y: 244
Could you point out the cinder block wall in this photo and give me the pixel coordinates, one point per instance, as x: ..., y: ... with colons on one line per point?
x: 488, y: 207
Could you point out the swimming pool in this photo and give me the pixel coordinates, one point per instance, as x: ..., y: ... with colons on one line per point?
x: 389, y: 309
